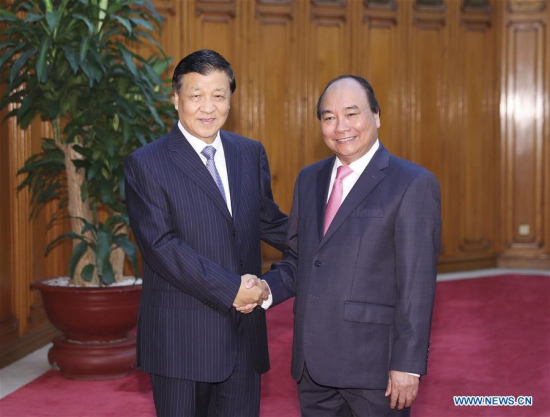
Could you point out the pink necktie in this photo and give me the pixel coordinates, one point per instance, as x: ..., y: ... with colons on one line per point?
x: 336, y: 194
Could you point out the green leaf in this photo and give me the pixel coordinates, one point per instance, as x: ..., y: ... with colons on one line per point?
x: 142, y: 22
x: 53, y: 19
x: 54, y: 109
x: 155, y: 115
x: 129, y: 249
x: 108, y: 276
x: 8, y: 42
x: 21, y: 61
x: 72, y: 59
x: 160, y: 66
x: 148, y: 37
x: 103, y: 248
x: 85, y: 19
x: 26, y: 106
x: 78, y: 251
x: 48, y: 4
x: 7, y: 55
x: 124, y: 22
x: 128, y: 58
x: 33, y: 17
x: 88, y: 272
x: 41, y: 61
x: 6, y: 15
x: 84, y: 45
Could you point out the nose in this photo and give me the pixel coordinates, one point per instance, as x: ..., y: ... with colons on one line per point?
x: 341, y: 125
x: 207, y: 106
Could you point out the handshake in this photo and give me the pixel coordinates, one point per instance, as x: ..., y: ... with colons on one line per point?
x: 252, y: 293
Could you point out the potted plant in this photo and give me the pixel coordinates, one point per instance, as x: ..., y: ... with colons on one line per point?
x: 70, y: 62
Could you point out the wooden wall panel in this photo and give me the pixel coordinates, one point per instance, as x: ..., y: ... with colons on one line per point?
x: 8, y: 320
x: 380, y: 54
x: 216, y: 26
x: 273, y: 117
x: 23, y: 323
x: 429, y: 129
x: 275, y: 120
x: 464, y: 90
x: 328, y: 51
x: 525, y: 134
x: 476, y: 141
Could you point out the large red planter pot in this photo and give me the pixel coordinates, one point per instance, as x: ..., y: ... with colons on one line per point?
x: 96, y: 323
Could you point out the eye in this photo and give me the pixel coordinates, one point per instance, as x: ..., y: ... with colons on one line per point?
x: 328, y: 118
x: 351, y: 114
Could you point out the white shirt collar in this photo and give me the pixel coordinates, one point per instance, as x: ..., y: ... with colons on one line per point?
x: 198, y: 144
x: 360, y: 164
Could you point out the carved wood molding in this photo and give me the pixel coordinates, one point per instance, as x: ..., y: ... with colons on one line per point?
x: 475, y: 245
x: 519, y: 6
x: 328, y: 9
x: 227, y: 7
x: 479, y: 18
x: 429, y: 16
x: 476, y: 5
x: 277, y: 9
x: 523, y: 127
x: 376, y: 12
x: 166, y: 6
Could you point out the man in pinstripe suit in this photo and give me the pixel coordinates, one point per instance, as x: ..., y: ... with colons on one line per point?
x: 200, y: 201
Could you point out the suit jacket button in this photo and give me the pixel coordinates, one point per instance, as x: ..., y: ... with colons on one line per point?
x: 241, y: 262
x: 317, y: 263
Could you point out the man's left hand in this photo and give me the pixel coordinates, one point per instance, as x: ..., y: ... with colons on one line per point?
x: 403, y: 388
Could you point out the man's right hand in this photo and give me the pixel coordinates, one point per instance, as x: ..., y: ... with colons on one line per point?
x: 251, y: 293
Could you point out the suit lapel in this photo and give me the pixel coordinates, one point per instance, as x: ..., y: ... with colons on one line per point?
x: 369, y: 179
x: 323, y: 182
x: 234, y: 166
x: 186, y: 159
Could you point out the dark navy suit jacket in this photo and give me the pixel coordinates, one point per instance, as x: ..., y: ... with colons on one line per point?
x: 365, y: 290
x: 194, y: 253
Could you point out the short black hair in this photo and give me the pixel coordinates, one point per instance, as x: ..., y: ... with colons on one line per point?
x: 375, y: 108
x: 204, y: 62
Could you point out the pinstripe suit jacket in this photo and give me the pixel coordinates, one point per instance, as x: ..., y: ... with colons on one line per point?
x: 194, y: 253
x: 365, y: 289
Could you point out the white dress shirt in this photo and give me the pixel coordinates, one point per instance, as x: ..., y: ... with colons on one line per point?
x: 219, y: 159
x: 357, y: 167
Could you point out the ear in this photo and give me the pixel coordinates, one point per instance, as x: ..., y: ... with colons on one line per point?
x: 377, y: 118
x: 176, y: 100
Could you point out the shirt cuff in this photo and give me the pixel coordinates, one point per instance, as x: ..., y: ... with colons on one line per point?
x: 267, y: 303
x: 410, y: 373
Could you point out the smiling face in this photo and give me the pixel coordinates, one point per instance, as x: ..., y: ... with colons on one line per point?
x: 203, y: 103
x: 348, y: 125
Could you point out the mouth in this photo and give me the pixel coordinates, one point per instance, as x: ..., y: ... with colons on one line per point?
x: 207, y: 121
x: 345, y: 140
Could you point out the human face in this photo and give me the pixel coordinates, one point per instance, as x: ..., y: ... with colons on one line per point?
x: 348, y: 125
x: 203, y: 103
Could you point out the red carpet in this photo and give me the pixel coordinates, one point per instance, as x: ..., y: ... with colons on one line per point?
x: 490, y: 337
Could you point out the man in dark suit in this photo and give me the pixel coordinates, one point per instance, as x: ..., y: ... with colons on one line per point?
x: 200, y: 201
x: 363, y: 241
